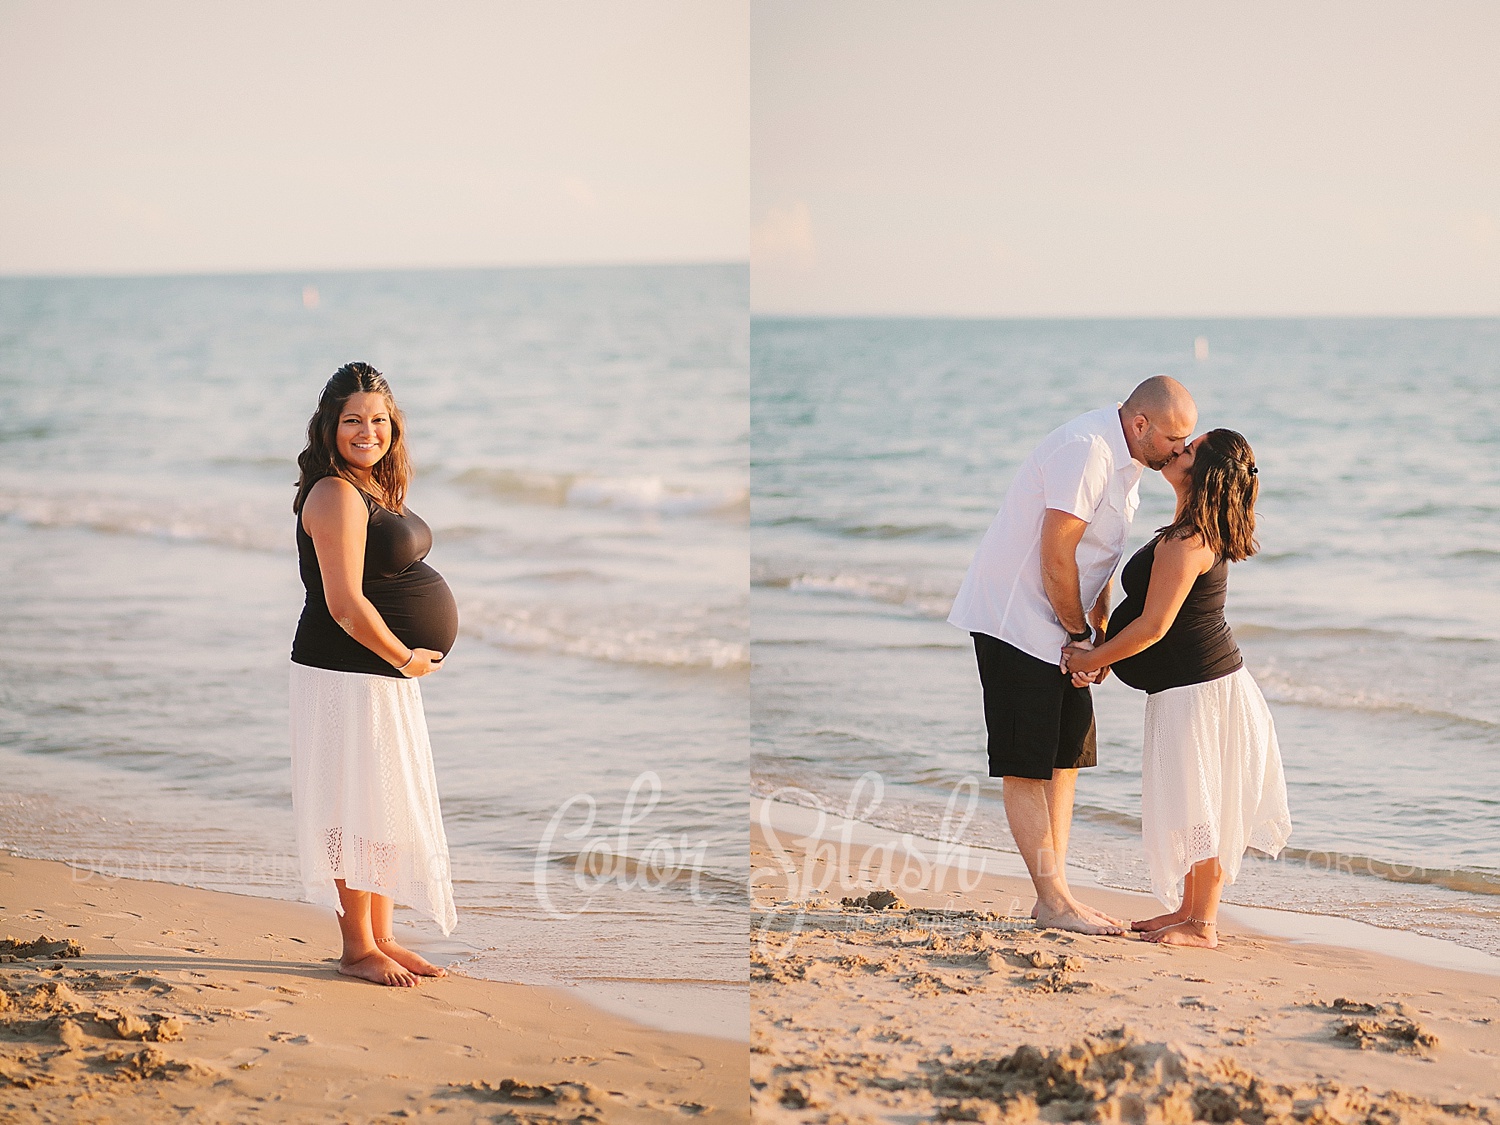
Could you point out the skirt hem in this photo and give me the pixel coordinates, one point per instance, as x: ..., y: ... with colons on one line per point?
x: 364, y: 792
x: 1212, y: 783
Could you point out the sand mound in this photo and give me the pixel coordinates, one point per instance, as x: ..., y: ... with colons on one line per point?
x: 573, y: 1102
x: 47, y: 1028
x: 1344, y: 1004
x: 1378, y: 1027
x: 1386, y: 1033
x: 875, y: 900
x: 145, y: 1026
x: 47, y: 998
x: 509, y: 1090
x: 1117, y: 1077
x: 148, y: 1064
x: 920, y: 959
x: 512, y: 1090
x: 1077, y: 1079
x: 1046, y: 959
x: 12, y: 949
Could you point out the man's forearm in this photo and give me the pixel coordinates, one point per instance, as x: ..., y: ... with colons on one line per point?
x: 1061, y: 584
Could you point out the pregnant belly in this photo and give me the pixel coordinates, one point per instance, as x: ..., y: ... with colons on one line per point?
x: 418, y: 607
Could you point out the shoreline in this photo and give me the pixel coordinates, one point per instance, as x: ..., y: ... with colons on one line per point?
x: 713, y: 1007
x: 1298, y: 926
x: 953, y: 1004
x: 223, y: 1004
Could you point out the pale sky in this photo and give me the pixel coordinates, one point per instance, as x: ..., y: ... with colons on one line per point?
x: 1000, y: 158
x: 158, y: 137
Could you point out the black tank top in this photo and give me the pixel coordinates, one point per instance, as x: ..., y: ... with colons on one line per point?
x: 1198, y: 646
x: 409, y: 595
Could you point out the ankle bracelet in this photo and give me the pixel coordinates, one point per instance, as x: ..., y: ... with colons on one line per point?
x: 381, y: 939
x: 1190, y: 918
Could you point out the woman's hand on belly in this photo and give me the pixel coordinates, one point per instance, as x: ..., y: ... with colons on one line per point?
x: 423, y: 661
x: 334, y: 515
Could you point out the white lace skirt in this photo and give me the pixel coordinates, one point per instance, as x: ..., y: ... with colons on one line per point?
x: 364, y: 795
x: 1211, y: 781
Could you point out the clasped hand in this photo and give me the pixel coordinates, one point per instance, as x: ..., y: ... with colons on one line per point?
x: 1073, y: 660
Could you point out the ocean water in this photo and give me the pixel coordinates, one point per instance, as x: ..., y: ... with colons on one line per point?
x: 581, y: 444
x: 1371, y: 618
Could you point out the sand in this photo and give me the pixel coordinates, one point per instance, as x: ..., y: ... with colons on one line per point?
x: 178, y: 1004
x: 954, y: 1006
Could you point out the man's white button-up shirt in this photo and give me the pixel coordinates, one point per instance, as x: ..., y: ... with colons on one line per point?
x: 1083, y: 468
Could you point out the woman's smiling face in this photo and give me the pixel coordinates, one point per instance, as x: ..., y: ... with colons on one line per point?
x: 364, y: 433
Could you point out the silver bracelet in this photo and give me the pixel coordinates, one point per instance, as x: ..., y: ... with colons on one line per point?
x: 409, y: 659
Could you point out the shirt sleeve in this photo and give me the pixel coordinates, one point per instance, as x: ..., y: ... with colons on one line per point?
x: 1075, y: 477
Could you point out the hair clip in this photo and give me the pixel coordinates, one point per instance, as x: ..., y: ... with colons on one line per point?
x: 1254, y: 471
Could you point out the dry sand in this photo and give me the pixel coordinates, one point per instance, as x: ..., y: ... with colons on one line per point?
x: 205, y: 1006
x: 967, y: 1012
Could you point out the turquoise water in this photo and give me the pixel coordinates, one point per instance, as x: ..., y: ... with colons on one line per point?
x: 580, y: 438
x: 1371, y: 617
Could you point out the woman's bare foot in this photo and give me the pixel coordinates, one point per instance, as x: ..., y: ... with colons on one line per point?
x: 376, y: 966
x: 1146, y: 925
x: 1187, y: 932
x: 1075, y: 920
x: 409, y: 960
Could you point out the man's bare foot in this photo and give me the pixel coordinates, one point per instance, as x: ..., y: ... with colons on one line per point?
x: 1186, y: 932
x: 379, y: 968
x: 1074, y: 921
x: 1146, y: 925
x: 1099, y: 915
x: 1087, y: 911
x: 409, y: 960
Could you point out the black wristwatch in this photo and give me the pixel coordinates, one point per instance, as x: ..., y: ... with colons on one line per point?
x: 1086, y: 635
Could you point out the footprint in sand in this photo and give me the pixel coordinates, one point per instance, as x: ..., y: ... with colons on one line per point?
x: 264, y: 1009
x: 243, y: 1058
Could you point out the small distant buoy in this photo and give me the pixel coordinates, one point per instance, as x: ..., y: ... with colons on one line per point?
x: 310, y: 296
x: 1200, y: 347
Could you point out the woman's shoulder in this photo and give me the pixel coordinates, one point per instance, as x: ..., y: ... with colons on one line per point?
x: 334, y: 497
x: 1189, y: 548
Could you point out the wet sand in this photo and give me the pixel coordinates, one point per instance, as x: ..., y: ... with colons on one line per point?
x: 211, y: 1006
x: 953, y: 1005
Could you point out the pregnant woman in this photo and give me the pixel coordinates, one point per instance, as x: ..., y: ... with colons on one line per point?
x: 1211, y: 779
x: 377, y: 618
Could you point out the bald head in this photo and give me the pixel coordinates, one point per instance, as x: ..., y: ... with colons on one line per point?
x: 1160, y: 395
x: 1158, y: 418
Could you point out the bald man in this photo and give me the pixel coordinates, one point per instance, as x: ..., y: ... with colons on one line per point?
x: 1040, y: 581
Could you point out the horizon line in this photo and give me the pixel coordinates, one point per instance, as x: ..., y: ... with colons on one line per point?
x: 297, y: 271
x: 754, y: 316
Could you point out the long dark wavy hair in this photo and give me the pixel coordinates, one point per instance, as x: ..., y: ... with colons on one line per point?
x: 1224, y: 483
x: 321, y: 458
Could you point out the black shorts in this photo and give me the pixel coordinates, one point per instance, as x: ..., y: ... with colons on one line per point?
x: 1037, y: 720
